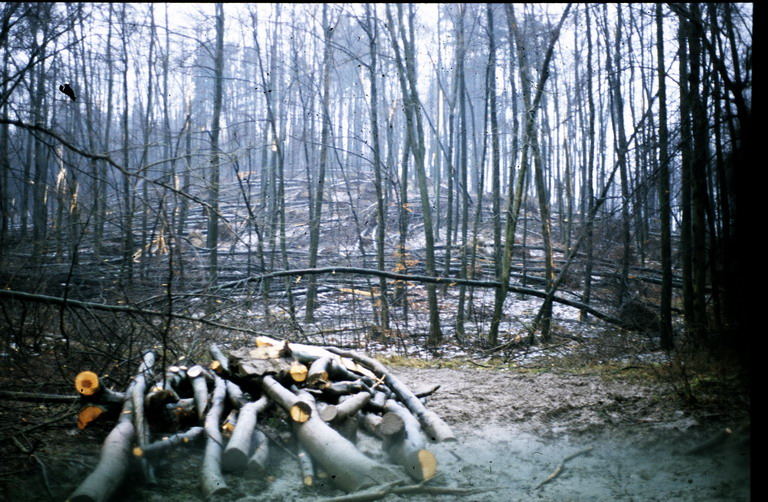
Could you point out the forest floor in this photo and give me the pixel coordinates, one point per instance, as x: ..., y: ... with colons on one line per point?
x: 634, y: 438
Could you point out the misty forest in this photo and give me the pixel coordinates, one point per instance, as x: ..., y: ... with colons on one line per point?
x: 374, y: 251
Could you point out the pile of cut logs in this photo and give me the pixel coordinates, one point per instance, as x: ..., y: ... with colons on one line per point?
x: 325, y: 393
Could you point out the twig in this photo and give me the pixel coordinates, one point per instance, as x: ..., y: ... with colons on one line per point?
x: 561, y: 465
x: 381, y: 491
x: 374, y: 493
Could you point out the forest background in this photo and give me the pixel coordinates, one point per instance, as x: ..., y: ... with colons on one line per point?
x: 398, y: 174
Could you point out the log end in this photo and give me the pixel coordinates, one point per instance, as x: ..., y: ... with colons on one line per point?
x: 88, y: 415
x: 87, y: 383
x: 328, y: 413
x: 233, y: 460
x: 391, y: 425
x: 300, y: 412
x: 298, y: 372
x: 427, y: 464
x: 216, y: 367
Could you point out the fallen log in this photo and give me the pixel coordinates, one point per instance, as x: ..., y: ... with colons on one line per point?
x: 307, y: 467
x: 237, y: 452
x: 257, y: 463
x: 212, y: 480
x: 229, y: 424
x: 351, y: 405
x: 137, y: 395
x: 318, y: 372
x: 163, y: 392
x: 406, y: 446
x: 156, y: 448
x: 89, y: 386
x: 433, y: 425
x: 115, y: 451
x: 299, y: 410
x: 347, y: 466
x: 89, y: 413
x: 179, y: 414
x: 220, y: 360
x: 198, y: 377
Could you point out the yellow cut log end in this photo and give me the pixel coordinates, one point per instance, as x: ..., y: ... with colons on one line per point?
x: 298, y: 372
x: 87, y: 383
x: 265, y: 341
x: 88, y: 415
x: 300, y: 412
x: 428, y: 464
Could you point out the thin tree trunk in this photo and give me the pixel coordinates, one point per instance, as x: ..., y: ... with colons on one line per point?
x: 316, y: 210
x: 665, y: 308
x: 371, y: 29
x: 214, y: 174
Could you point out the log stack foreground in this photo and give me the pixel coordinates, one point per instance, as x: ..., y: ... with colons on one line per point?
x: 323, y: 397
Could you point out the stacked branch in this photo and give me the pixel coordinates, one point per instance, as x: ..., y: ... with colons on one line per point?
x: 323, y: 396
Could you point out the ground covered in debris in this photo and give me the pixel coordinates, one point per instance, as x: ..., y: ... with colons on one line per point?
x: 609, y: 432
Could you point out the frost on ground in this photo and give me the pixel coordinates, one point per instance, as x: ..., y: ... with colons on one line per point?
x: 514, y: 428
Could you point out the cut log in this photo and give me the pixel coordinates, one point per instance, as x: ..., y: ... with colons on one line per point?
x: 221, y: 359
x: 238, y: 450
x: 349, y: 468
x: 351, y: 405
x: 434, y: 426
x: 235, y: 395
x: 327, y: 412
x: 257, y: 463
x: 179, y: 414
x: 378, y: 400
x: 87, y: 383
x: 137, y: 395
x: 298, y: 410
x: 407, y: 446
x: 157, y: 448
x: 298, y: 372
x: 230, y: 422
x: 337, y: 389
x: 163, y: 391
x: 348, y: 428
x: 112, y: 466
x: 212, y: 480
x: 88, y: 414
x: 115, y: 452
x: 197, y: 376
x: 307, y: 467
x: 391, y: 426
x: 318, y: 372
x: 369, y: 422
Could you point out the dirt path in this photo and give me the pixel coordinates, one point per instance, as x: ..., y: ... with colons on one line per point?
x: 513, y: 430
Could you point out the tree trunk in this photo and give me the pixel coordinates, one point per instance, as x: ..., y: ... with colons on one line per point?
x: 665, y: 308
x: 212, y: 242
